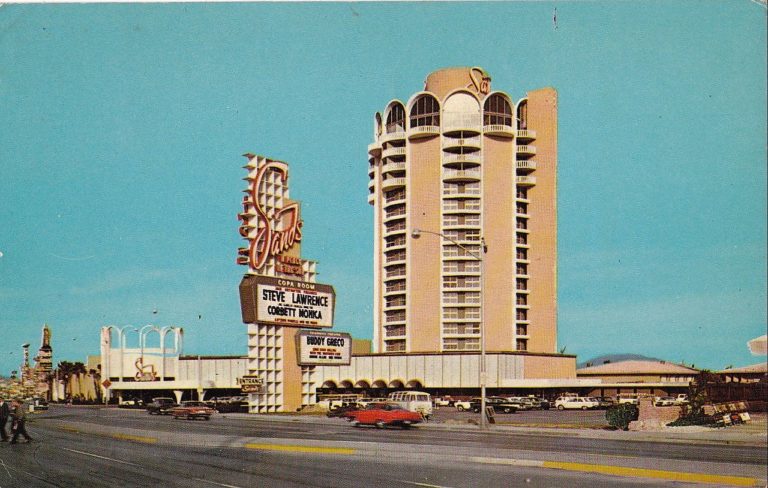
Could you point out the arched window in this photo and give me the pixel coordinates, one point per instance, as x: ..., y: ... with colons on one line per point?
x: 522, y: 115
x: 425, y: 111
x: 377, y: 125
x: 396, y: 119
x: 497, y: 111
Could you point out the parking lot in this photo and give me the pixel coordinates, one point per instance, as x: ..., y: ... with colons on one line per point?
x: 564, y: 418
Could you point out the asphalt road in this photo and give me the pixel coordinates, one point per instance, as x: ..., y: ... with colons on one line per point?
x: 92, y: 447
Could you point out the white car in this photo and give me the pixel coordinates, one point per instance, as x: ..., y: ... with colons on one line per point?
x: 666, y: 401
x: 463, y: 405
x: 576, y: 403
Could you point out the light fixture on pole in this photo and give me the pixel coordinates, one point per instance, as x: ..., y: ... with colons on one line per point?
x: 416, y: 233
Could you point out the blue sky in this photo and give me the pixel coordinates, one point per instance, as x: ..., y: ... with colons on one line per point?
x: 122, y: 129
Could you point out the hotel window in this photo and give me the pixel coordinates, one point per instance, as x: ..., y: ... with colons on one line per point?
x: 497, y: 111
x: 522, y: 299
x: 395, y: 330
x: 395, y: 346
x: 521, y: 284
x: 461, y: 344
x: 396, y: 286
x: 522, y: 193
x: 396, y: 119
x: 522, y: 329
x: 522, y: 315
x: 522, y: 224
x: 522, y: 208
x: 522, y: 238
x: 522, y: 115
x: 395, y: 195
x: 522, y: 345
x: 522, y: 254
x: 425, y: 111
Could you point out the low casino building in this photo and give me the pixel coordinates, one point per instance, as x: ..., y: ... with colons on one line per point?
x: 655, y: 378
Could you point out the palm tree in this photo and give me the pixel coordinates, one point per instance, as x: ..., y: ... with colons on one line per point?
x: 66, y: 370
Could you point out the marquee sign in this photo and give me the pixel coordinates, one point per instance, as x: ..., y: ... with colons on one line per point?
x: 324, y: 348
x: 269, y: 230
x: 250, y: 384
x: 281, y: 301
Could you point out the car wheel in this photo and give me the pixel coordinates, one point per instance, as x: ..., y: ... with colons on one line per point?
x: 380, y: 424
x: 355, y: 423
x: 507, y: 410
x: 406, y: 425
x: 560, y: 407
x: 460, y: 408
x: 584, y: 408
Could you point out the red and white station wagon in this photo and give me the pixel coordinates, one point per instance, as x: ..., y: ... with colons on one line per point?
x: 384, y: 414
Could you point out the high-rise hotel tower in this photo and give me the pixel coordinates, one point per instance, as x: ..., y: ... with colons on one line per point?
x: 475, y: 172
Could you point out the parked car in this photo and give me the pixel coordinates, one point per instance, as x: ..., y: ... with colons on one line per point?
x: 577, y: 403
x: 37, y: 403
x: 415, y: 401
x: 522, y: 403
x: 191, y: 410
x: 364, y: 402
x: 343, y: 410
x: 666, y: 401
x: 681, y: 399
x: 605, y: 402
x: 633, y: 398
x: 161, y: 406
x: 384, y: 414
x: 463, y: 405
x: 442, y: 401
x: 131, y: 403
x: 229, y: 404
x: 499, y: 404
x: 542, y: 403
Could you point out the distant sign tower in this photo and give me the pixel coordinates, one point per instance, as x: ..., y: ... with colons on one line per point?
x: 44, y: 359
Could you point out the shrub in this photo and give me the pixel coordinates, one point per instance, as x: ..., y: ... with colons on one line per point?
x: 694, y: 419
x: 619, y: 416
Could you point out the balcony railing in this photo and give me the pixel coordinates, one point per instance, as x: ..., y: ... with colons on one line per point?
x: 392, y: 152
x: 396, y: 134
x: 526, y: 150
x: 526, y: 135
x: 374, y: 149
x: 499, y: 130
x: 461, y: 174
x: 462, y: 158
x: 526, y: 180
x: 391, y: 166
x: 392, y: 183
x: 526, y: 165
x: 462, y: 121
x: 457, y: 191
x: 458, y: 142
x: 423, y: 131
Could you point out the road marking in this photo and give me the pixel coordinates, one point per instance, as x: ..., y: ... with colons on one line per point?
x: 137, y: 438
x: 425, y: 485
x: 100, y: 457
x: 215, y: 483
x: 320, y: 450
x: 508, y: 462
x: 653, y: 473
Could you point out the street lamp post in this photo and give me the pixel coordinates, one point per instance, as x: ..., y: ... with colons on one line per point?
x: 416, y: 233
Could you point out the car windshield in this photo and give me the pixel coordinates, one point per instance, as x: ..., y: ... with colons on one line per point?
x: 193, y: 404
